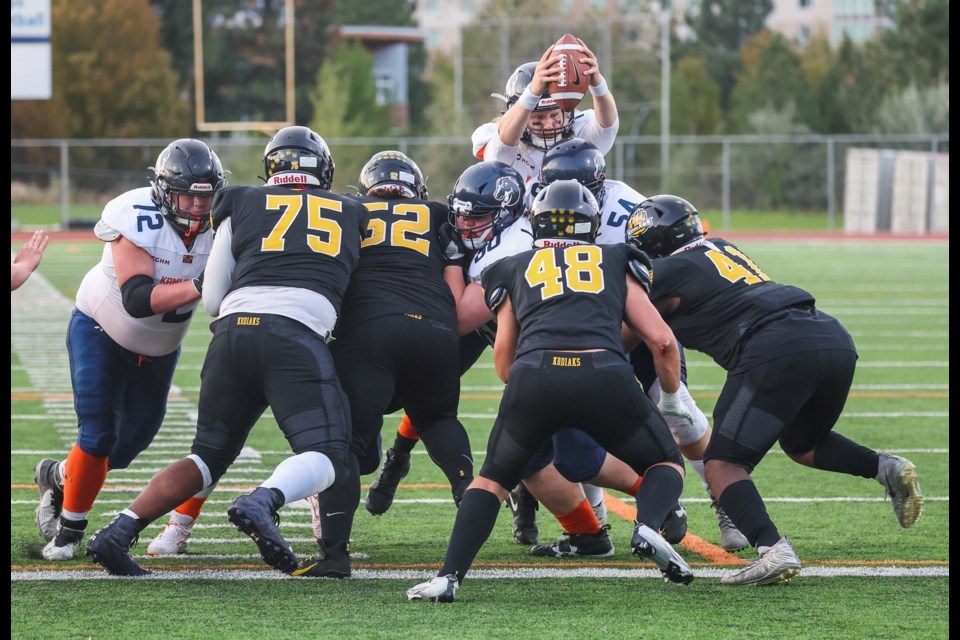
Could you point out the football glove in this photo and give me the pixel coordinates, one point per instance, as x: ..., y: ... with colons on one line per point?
x: 672, y: 404
x: 451, y: 243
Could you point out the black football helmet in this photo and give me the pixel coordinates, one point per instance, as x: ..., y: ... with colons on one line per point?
x: 298, y: 157
x: 187, y: 169
x: 564, y: 213
x: 546, y: 138
x: 491, y: 190
x: 391, y: 174
x: 662, y: 224
x: 576, y: 159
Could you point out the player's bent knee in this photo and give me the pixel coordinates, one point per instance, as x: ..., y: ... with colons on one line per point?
x: 99, y: 445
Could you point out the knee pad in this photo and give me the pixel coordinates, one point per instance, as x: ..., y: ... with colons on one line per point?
x: 208, y: 481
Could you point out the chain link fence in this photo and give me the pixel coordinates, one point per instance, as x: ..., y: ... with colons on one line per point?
x: 721, y: 173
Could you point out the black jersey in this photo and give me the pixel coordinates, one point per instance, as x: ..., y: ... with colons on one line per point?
x: 725, y: 299
x: 401, y: 263
x: 292, y: 238
x: 564, y: 298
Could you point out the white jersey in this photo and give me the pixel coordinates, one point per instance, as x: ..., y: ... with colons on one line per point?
x: 618, y: 201
x: 526, y: 158
x: 516, y: 238
x: 134, y: 216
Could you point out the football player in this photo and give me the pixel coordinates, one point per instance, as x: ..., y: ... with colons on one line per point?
x: 132, y: 312
x: 789, y: 369
x: 559, y: 350
x: 579, y: 160
x: 278, y: 271
x: 487, y: 198
x: 533, y: 123
x: 397, y: 343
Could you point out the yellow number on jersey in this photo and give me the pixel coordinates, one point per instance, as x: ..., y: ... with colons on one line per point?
x: 291, y: 206
x: 418, y: 225
x: 732, y: 271
x: 582, y: 273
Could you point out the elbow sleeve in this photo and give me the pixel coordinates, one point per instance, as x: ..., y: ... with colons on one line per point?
x: 136, y: 296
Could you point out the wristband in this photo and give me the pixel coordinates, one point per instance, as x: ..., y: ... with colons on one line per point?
x: 601, y: 89
x: 528, y: 100
x: 198, y: 285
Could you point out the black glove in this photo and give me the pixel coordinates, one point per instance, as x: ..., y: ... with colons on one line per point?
x: 641, y: 267
x: 198, y: 284
x: 451, y: 243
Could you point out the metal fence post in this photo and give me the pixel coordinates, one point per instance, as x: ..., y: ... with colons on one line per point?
x: 725, y: 190
x: 831, y: 189
x: 64, y: 185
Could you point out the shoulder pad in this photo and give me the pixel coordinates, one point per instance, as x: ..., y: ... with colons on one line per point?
x: 105, y: 232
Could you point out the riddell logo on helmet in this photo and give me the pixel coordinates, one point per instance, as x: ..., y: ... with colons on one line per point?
x: 201, y: 186
x: 288, y: 178
x: 546, y: 243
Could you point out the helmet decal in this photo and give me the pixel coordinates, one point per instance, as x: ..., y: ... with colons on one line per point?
x: 507, y: 191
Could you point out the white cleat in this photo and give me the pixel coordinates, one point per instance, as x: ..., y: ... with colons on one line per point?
x: 173, y: 540
x: 899, y: 477
x: 777, y: 564
x: 439, y: 589
x: 647, y: 543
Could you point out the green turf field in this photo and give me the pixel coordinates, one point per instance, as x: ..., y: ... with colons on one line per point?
x: 863, y: 576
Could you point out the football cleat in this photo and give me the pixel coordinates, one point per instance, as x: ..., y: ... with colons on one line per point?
x: 581, y: 545
x: 47, y: 514
x: 110, y: 547
x: 332, y: 561
x: 524, y: 507
x: 647, y: 543
x: 439, y: 589
x: 776, y: 564
x: 64, y: 545
x: 674, y: 526
x: 899, y: 477
x: 731, y: 539
x: 395, y: 468
x: 253, y: 515
x: 174, y: 539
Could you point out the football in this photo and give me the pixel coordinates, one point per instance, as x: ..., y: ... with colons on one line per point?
x: 569, y: 90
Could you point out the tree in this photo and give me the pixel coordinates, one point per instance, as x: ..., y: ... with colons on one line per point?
x: 772, y: 77
x: 721, y: 28
x: 345, y: 103
x: 916, y: 111
x: 111, y: 77
x: 694, y: 99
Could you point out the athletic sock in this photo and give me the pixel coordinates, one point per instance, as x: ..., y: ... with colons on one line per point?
x: 407, y: 436
x: 475, y: 520
x: 189, y: 510
x: 83, y: 478
x: 842, y: 455
x: 580, y: 520
x: 448, y: 445
x: 742, y: 503
x: 659, y: 492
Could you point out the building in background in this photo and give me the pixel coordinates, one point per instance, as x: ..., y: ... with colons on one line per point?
x: 390, y: 49
x: 797, y: 20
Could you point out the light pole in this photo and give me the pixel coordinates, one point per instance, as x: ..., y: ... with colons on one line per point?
x: 666, y: 18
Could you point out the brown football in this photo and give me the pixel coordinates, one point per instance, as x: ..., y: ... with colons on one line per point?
x: 569, y: 90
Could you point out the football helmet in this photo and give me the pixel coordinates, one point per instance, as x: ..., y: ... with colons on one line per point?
x: 564, y: 213
x: 576, y: 159
x: 662, y: 224
x: 391, y: 174
x: 547, y: 137
x: 186, y: 177
x: 298, y: 157
x: 488, y: 197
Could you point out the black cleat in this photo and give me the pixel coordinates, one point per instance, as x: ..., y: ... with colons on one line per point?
x: 579, y: 545
x: 253, y: 515
x: 332, y: 561
x: 110, y: 547
x: 524, y: 507
x: 395, y: 468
